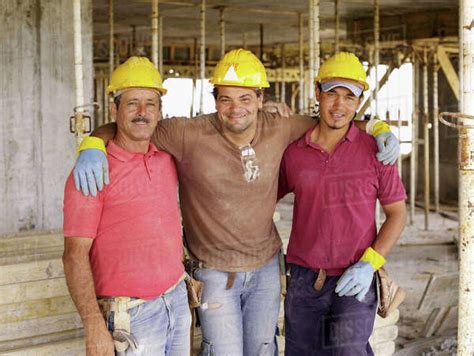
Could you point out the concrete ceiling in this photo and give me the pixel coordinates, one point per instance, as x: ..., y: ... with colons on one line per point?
x: 279, y: 18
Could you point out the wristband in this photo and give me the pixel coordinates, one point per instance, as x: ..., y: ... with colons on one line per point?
x: 373, y: 257
x: 380, y: 127
x: 92, y: 142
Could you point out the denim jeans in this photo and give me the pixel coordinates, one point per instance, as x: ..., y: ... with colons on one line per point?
x: 319, y: 322
x: 161, y: 326
x: 241, y: 320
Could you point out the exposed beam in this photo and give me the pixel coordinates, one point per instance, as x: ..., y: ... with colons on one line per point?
x: 449, y: 71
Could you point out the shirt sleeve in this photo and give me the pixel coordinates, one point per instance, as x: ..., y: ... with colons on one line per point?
x: 81, y: 214
x: 299, y: 124
x: 169, y: 136
x: 391, y: 188
x: 283, y: 187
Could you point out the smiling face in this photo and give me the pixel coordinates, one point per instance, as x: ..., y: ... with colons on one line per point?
x: 237, y: 108
x: 337, y: 107
x: 137, y: 114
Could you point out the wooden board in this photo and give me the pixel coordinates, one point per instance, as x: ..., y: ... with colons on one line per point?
x: 440, y: 292
x: 13, y: 293
x: 31, y: 271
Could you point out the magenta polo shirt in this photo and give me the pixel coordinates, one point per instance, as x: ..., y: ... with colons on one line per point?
x: 335, y: 196
x: 135, y: 224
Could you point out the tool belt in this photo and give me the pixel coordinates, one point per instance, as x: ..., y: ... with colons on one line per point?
x: 193, y: 286
x: 389, y: 294
x: 120, y: 306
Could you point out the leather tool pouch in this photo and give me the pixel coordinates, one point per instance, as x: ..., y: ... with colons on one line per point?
x: 389, y: 293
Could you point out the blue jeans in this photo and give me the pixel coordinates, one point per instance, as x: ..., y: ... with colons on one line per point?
x: 161, y: 326
x: 241, y: 320
x: 319, y: 322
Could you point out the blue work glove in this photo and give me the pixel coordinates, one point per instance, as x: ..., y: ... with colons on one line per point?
x: 389, y: 148
x: 91, y: 171
x: 356, y: 280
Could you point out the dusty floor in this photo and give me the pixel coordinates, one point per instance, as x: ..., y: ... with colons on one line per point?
x: 418, y: 255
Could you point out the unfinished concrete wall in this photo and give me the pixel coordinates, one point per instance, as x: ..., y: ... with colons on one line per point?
x: 37, y: 98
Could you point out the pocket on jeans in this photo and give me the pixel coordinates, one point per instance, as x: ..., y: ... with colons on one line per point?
x: 207, y: 349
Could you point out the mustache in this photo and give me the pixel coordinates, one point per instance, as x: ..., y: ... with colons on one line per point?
x: 141, y: 119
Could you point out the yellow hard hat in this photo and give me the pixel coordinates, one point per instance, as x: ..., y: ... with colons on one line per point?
x: 136, y: 72
x: 343, y: 65
x: 240, y: 68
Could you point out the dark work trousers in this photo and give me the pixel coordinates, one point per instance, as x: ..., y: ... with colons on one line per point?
x: 322, y: 323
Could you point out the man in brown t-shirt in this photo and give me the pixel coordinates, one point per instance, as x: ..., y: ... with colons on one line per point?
x: 228, y: 164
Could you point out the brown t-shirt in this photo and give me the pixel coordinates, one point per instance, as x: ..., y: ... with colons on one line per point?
x: 228, y: 221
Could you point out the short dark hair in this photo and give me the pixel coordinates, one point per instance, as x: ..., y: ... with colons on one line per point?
x: 215, y: 92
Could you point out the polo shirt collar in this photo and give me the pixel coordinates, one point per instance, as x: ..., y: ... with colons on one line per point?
x: 351, y: 135
x: 124, y: 156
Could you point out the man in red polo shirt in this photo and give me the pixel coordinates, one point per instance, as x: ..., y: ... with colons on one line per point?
x: 124, y: 245
x: 334, y: 246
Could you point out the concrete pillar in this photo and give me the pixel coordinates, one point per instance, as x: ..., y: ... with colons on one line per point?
x: 38, y: 95
x: 466, y: 186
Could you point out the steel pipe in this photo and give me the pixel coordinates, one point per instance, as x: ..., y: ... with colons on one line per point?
x: 79, y: 73
x: 435, y: 131
x: 301, y: 64
x: 222, y: 31
x: 414, y: 140
x: 154, y: 32
x: 311, y: 98
x: 111, y: 37
x: 160, y: 44
x: 376, y: 52
x: 466, y: 186
x: 336, y: 31
x: 282, y: 75
x: 426, y: 141
x: 202, y: 54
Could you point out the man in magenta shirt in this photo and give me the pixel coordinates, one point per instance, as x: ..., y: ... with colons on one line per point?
x: 124, y: 246
x: 334, y: 246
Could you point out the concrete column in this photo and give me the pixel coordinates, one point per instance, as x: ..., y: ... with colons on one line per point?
x: 466, y: 186
x: 37, y: 82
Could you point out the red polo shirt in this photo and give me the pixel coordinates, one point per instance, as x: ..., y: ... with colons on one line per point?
x: 335, y: 196
x: 135, y: 224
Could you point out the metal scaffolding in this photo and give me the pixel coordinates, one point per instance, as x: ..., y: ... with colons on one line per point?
x: 301, y: 64
x: 282, y: 75
x: 466, y: 186
x: 111, y: 37
x: 79, y: 120
x: 414, y: 139
x: 336, y: 30
x: 202, y: 54
x: 154, y: 33
x: 222, y: 31
x: 426, y: 141
x: 435, y: 130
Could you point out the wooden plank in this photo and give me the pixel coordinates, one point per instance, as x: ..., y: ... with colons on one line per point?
x: 31, y: 241
x: 31, y: 271
x: 387, y: 333
x: 449, y: 71
x: 40, y: 326
x: 440, y: 292
x: 415, y: 347
x: 74, y: 347
x: 25, y: 343
x: 449, y: 323
x: 49, y: 288
x: 384, y: 348
x: 10, y: 313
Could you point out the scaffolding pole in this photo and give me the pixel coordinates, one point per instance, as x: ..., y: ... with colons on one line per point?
x: 426, y: 141
x: 414, y: 140
x: 399, y: 125
x: 310, y: 96
x: 435, y: 130
x: 316, y: 32
x: 222, y: 31
x: 244, y: 40
x: 154, y: 32
x: 79, y: 121
x: 160, y: 44
x: 261, y: 41
x: 111, y: 38
x: 283, y: 67
x: 202, y: 55
x: 301, y: 63
x: 336, y: 14
x: 376, y: 51
x: 466, y: 186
